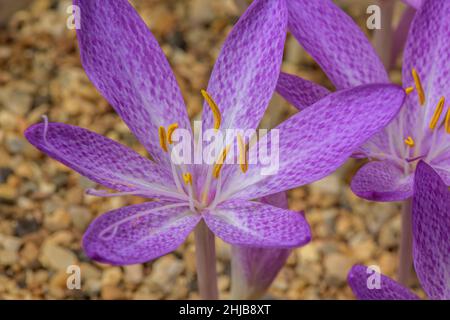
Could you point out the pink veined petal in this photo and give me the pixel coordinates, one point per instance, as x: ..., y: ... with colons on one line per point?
x: 431, y: 225
x: 124, y: 61
x: 299, y: 92
x: 428, y: 51
x: 101, y: 159
x: 316, y: 141
x: 360, y: 279
x: 138, y: 233
x: 245, y: 74
x: 382, y: 181
x: 246, y: 223
x: 253, y: 269
x: 333, y: 39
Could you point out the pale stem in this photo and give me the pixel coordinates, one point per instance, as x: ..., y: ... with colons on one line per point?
x: 405, y: 255
x: 383, y: 37
x: 205, y: 252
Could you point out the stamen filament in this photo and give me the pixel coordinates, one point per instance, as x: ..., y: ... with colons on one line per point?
x: 418, y: 84
x: 214, y: 108
x: 437, y: 113
x: 162, y: 138
x: 409, y: 142
x: 220, y: 161
x: 242, y: 154
x: 170, y: 130
x: 447, y: 121
x: 408, y: 90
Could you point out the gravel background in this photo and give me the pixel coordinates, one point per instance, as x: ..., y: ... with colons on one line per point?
x: 43, y: 208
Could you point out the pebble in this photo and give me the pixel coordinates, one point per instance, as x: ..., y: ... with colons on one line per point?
x: 389, y: 235
x: 134, y: 273
x: 336, y: 268
x: 165, y: 272
x: 59, y: 219
x: 80, y: 216
x: 56, y: 257
x: 112, y: 276
x: 110, y: 292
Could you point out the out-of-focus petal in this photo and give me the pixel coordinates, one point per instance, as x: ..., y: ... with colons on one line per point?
x: 299, y: 92
x: 414, y: 3
x: 253, y: 269
x: 364, y: 289
x: 100, y: 159
x: 382, y: 181
x: 124, y: 61
x: 246, y: 72
x: 401, y: 34
x: 138, y: 233
x: 316, y: 141
x: 431, y: 232
x: 247, y: 223
x: 334, y: 40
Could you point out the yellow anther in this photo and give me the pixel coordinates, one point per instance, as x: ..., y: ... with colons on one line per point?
x: 162, y: 138
x: 214, y: 108
x: 170, y: 130
x: 409, y: 142
x: 447, y: 121
x: 220, y: 161
x: 409, y: 90
x: 418, y: 84
x: 437, y: 113
x: 242, y: 154
x: 187, y: 177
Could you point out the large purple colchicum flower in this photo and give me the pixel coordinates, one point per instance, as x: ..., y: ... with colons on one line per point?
x: 431, y: 225
x: 421, y: 130
x: 126, y: 64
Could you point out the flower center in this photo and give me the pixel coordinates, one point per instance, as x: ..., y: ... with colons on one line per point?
x: 205, y: 197
x: 433, y: 124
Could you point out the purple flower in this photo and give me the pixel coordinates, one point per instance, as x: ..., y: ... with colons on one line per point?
x: 421, y: 130
x: 126, y: 64
x: 431, y: 225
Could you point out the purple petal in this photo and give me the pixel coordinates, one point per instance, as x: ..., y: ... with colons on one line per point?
x: 138, y: 233
x: 299, y: 92
x: 316, y: 141
x: 124, y: 61
x: 428, y: 51
x: 246, y: 223
x: 247, y: 69
x: 279, y: 200
x: 382, y: 181
x: 254, y: 269
x: 431, y: 227
x: 359, y: 280
x: 98, y: 158
x: 333, y: 39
